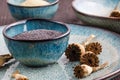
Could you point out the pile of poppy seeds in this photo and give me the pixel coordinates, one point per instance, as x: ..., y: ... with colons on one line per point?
x: 39, y: 34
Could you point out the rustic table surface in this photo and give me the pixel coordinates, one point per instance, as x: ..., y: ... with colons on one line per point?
x: 65, y: 14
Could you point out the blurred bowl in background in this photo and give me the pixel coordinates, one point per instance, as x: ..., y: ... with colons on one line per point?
x: 97, y: 12
x: 23, y: 12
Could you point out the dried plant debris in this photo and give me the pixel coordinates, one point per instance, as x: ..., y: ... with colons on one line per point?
x: 95, y: 47
x: 90, y: 59
x: 74, y: 51
x: 115, y: 13
x: 5, y: 58
x: 80, y: 71
x: 19, y: 76
x: 84, y: 70
x: 87, y: 54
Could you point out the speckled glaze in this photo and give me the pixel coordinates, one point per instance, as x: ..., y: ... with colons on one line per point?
x: 22, y: 12
x: 36, y: 52
x: 110, y: 42
x: 96, y: 13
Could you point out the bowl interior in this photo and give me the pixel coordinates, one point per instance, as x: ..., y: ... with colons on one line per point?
x: 95, y: 7
x: 18, y: 2
x: 33, y: 24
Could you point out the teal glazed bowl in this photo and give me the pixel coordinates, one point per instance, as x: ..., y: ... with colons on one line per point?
x: 36, y: 52
x: 96, y: 13
x: 22, y: 12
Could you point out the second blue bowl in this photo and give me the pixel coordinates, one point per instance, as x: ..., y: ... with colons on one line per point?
x: 22, y: 12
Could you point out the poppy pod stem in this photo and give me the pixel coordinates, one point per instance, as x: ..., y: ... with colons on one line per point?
x: 88, y: 40
x: 84, y: 70
x: 99, y: 67
x: 19, y: 76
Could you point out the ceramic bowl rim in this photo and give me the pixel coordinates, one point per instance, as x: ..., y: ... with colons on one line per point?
x: 23, y: 21
x: 53, y: 3
x: 86, y: 14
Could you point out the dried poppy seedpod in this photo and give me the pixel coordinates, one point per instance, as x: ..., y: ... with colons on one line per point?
x: 95, y: 47
x: 115, y: 13
x: 84, y: 70
x: 19, y: 76
x: 74, y: 50
x: 90, y: 59
x: 4, y: 58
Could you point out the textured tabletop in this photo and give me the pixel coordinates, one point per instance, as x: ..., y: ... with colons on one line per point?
x: 65, y: 13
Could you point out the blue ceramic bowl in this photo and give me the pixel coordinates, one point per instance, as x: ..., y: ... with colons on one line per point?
x: 97, y: 12
x: 36, y: 52
x: 23, y: 12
